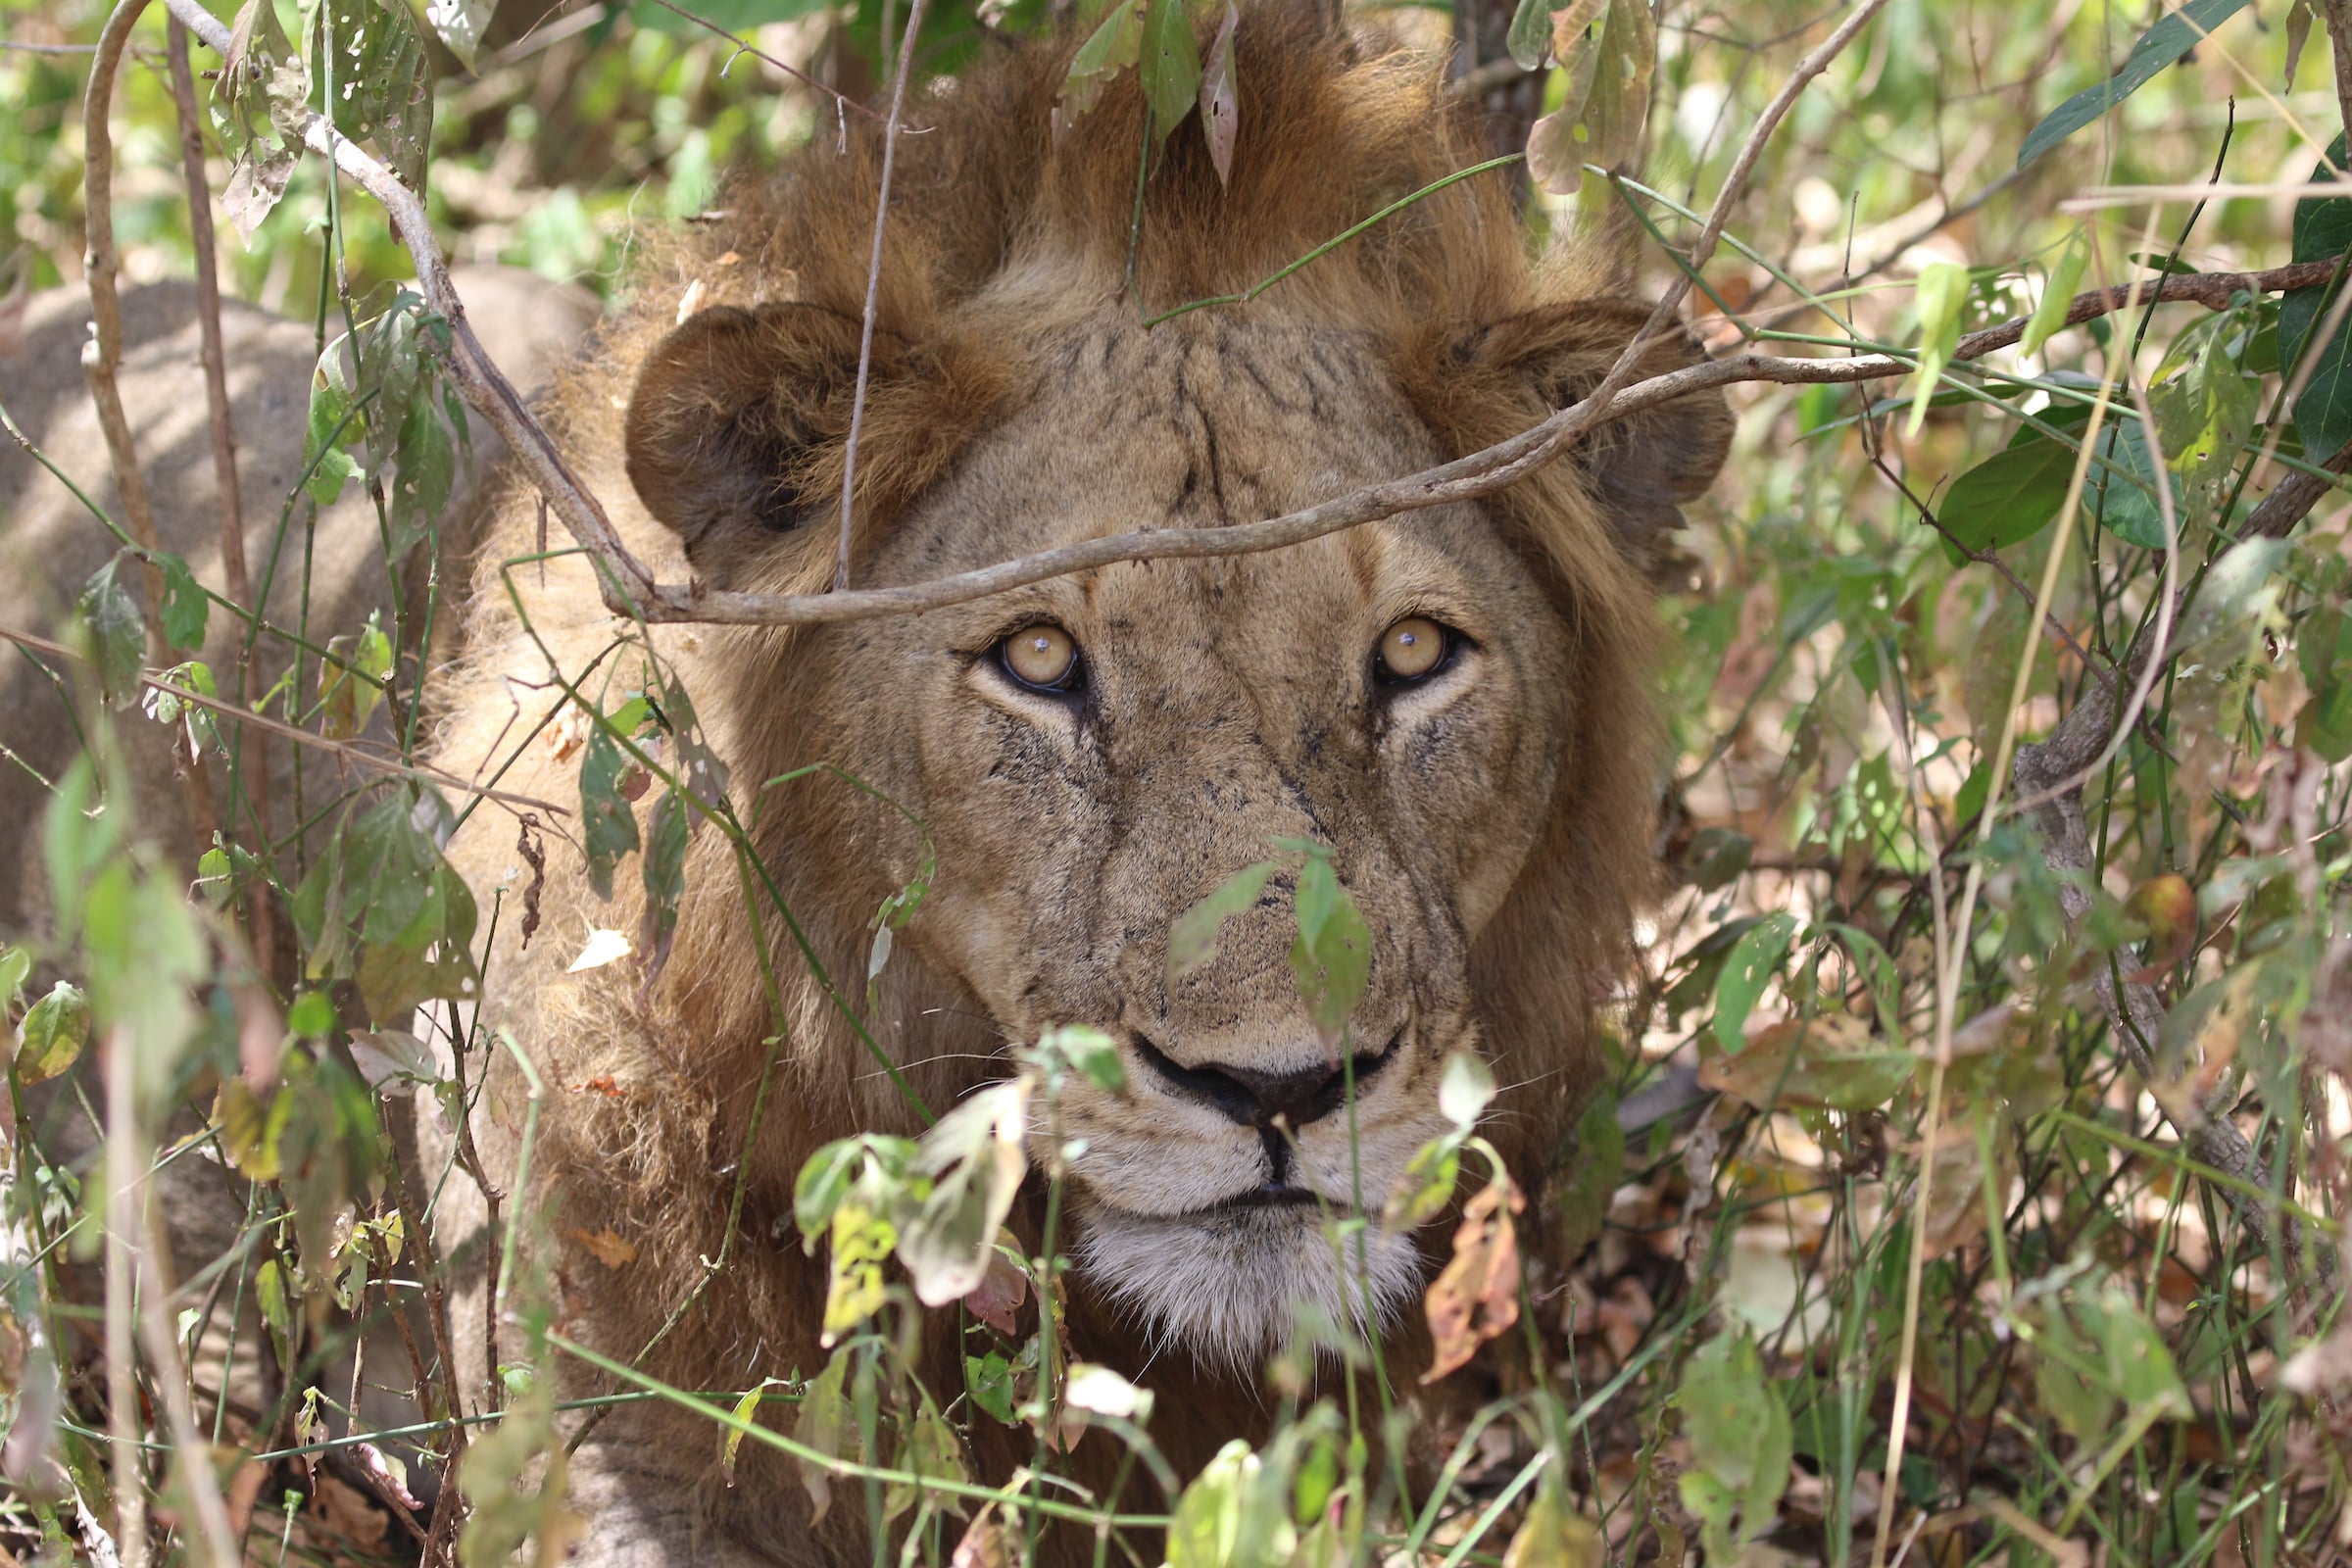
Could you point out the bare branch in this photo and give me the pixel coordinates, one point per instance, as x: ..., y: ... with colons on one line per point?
x: 102, y: 356
x: 238, y: 578
x: 873, y: 291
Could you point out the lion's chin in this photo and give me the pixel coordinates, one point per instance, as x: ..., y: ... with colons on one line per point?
x: 1230, y: 1285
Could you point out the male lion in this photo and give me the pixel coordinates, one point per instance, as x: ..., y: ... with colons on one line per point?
x: 1454, y: 701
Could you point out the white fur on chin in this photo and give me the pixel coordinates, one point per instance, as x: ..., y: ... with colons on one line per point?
x: 1224, y: 1286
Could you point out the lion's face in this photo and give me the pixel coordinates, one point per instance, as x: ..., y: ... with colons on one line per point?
x: 1096, y: 753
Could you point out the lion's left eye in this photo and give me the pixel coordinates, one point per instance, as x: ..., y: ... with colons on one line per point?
x: 1042, y: 657
x: 1414, y: 648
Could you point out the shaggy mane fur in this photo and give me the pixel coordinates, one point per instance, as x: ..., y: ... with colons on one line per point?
x: 997, y: 223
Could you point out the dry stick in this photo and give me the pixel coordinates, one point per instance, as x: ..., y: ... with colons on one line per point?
x: 121, y: 1271
x: 102, y: 356
x: 194, y: 1454
x: 873, y: 293
x: 255, y: 774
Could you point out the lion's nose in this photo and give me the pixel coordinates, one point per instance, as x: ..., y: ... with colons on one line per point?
x: 1257, y: 1097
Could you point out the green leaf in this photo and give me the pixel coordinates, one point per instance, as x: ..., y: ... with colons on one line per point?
x: 384, y: 908
x: 1529, y: 36
x: 735, y: 15
x: 1426, y: 1187
x: 1170, y: 66
x: 185, y: 608
x: 1582, y: 1203
x: 16, y: 967
x: 1746, y: 973
x: 312, y: 1015
x: 331, y: 426
x: 2009, y: 497
x: 2050, y: 312
x: 1739, y: 1434
x: 665, y: 871
x: 608, y: 824
x: 1193, y: 939
x: 2323, y: 648
x: 424, y: 472
x: 1207, y: 1522
x: 1114, y: 45
x: 1333, y: 956
x: 106, y: 619
x: 52, y: 1034
x: 2166, y: 41
x: 1942, y: 292
x: 973, y: 1156
x: 2323, y: 232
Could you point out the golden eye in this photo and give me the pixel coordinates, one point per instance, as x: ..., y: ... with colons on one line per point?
x: 1412, y: 647
x: 1043, y: 656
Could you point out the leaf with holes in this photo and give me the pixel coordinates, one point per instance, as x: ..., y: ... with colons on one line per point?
x: 373, y: 74
x: 608, y: 824
x: 1477, y: 1297
x: 1221, y: 96
x: 259, y: 99
x: 1746, y: 973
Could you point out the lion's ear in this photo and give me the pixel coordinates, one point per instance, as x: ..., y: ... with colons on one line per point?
x: 1641, y: 469
x: 738, y: 424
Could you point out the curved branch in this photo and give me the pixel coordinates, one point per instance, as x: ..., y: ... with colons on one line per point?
x: 629, y: 587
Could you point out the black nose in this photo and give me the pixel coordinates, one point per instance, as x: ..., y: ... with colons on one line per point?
x: 1259, y: 1098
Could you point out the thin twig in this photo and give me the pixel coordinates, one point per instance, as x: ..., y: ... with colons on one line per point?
x: 102, y: 356
x: 254, y: 773
x: 301, y: 737
x: 745, y: 46
x: 873, y: 291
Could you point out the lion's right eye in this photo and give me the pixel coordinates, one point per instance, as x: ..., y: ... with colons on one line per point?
x: 1042, y: 657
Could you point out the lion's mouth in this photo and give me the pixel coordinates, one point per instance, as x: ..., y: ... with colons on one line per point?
x: 1268, y: 1194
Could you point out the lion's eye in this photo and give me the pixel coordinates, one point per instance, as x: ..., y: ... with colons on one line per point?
x: 1043, y: 657
x: 1413, y: 648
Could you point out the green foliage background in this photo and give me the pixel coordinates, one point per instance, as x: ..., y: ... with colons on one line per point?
x: 2085, y: 1355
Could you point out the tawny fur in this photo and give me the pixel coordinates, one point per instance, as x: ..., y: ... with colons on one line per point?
x: 1494, y: 827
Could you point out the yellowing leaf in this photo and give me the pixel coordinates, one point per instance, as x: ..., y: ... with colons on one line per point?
x: 610, y: 1250
x: 1556, y: 1536
x: 1477, y: 1297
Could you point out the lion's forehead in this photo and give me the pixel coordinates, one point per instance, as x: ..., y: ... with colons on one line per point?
x: 1184, y: 425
